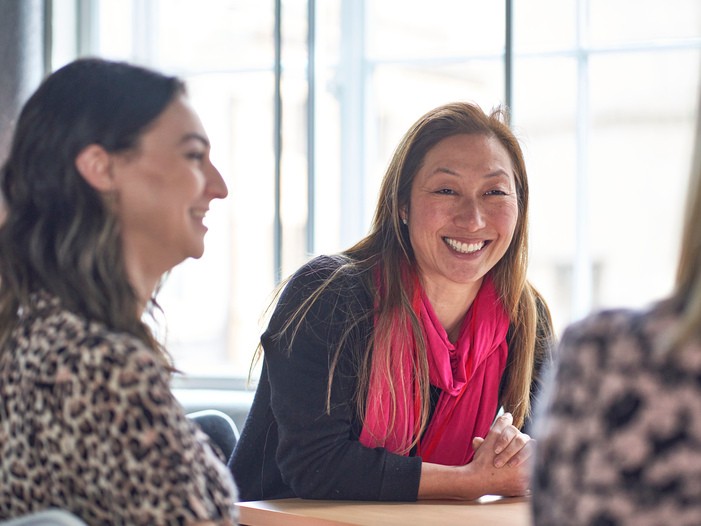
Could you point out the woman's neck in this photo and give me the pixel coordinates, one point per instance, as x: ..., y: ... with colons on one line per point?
x: 144, y: 283
x: 450, y: 304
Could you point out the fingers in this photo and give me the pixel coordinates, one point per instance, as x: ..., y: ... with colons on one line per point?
x: 501, y: 424
x: 477, y: 442
x: 511, y: 447
x: 518, y: 451
x: 507, y: 434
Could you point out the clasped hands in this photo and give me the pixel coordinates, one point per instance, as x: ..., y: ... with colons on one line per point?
x: 499, y: 467
x: 502, y: 457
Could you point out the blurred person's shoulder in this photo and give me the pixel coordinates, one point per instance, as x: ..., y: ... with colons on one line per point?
x: 603, y: 325
x: 629, y: 338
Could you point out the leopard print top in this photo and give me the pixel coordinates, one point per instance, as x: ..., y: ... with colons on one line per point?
x: 88, y: 424
x: 619, y: 442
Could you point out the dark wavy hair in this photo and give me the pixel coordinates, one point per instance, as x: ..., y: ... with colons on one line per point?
x: 58, y: 233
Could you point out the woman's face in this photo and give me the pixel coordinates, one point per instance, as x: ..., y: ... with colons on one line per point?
x: 163, y: 191
x: 463, y: 211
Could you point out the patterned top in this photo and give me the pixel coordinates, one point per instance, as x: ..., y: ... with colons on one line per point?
x: 88, y: 424
x: 620, y: 439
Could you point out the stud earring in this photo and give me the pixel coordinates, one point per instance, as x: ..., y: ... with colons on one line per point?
x: 404, y: 220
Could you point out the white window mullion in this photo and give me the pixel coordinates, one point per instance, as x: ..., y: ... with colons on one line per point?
x: 583, y: 269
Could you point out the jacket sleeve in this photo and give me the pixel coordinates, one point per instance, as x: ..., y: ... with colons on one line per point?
x: 318, y: 453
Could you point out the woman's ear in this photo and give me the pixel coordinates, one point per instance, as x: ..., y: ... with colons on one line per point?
x: 93, y: 163
x: 404, y: 215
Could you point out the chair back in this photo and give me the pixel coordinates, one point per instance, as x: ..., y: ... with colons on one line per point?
x: 53, y: 517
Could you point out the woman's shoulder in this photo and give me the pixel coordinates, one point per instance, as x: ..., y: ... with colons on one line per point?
x: 620, y: 394
x: 53, y: 339
x: 331, y: 274
x: 323, y: 266
x: 328, y: 290
x: 117, y: 394
x: 601, y: 329
x: 605, y: 323
x: 625, y: 339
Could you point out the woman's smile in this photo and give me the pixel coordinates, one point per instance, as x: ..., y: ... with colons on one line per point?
x: 465, y: 247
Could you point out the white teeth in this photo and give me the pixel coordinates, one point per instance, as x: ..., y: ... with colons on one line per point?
x: 198, y: 214
x: 464, y: 248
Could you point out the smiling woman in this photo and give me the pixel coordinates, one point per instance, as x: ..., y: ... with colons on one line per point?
x: 386, y: 365
x: 461, y: 218
x: 164, y: 190
x: 105, y: 187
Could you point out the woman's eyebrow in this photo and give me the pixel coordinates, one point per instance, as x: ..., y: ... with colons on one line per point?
x: 499, y: 172
x: 444, y: 170
x: 195, y: 136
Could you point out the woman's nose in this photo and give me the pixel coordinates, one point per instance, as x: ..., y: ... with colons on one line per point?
x: 470, y: 215
x: 216, y: 187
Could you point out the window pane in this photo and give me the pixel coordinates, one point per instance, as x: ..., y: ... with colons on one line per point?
x: 627, y: 21
x: 415, y: 28
x: 607, y: 139
x: 213, y: 35
x: 642, y: 122
x: 545, y: 25
x: 545, y: 121
x: 294, y: 166
x: 327, y: 201
x: 213, y: 306
x: 116, y: 32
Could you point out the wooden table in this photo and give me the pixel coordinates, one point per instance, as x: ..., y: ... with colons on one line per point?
x: 488, y: 511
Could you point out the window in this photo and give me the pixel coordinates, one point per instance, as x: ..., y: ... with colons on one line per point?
x: 305, y: 100
x: 606, y: 102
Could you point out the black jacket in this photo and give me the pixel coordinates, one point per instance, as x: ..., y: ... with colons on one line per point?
x: 290, y: 446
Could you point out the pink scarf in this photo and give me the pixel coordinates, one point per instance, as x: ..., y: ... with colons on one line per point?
x: 468, y: 374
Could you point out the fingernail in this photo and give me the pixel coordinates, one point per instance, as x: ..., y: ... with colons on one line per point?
x: 498, y: 463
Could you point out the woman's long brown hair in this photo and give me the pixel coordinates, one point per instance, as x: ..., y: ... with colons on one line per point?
x: 387, y: 248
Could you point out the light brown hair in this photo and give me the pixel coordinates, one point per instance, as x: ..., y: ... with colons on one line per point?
x: 387, y: 248
x: 687, y: 290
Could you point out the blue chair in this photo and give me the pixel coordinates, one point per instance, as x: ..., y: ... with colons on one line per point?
x: 220, y: 428
x: 52, y: 517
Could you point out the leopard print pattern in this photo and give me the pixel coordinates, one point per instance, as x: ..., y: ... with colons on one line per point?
x: 619, y: 442
x: 88, y: 424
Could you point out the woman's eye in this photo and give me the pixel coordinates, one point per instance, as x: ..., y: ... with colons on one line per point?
x: 445, y: 191
x: 196, y: 156
x: 496, y: 192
